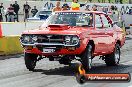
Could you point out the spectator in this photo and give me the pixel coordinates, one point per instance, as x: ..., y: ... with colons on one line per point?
x: 1, y: 16
x: 34, y: 11
x: 87, y: 8
x: 1, y: 11
x: 65, y: 7
x: 117, y: 15
x: 57, y: 8
x: 16, y: 9
x: 6, y: 14
x: 26, y: 9
x: 130, y: 10
x: 10, y: 13
x: 94, y: 8
x: 75, y: 5
x: 112, y: 8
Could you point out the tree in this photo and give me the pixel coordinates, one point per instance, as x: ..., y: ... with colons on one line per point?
x: 130, y: 1
x: 90, y: 1
x: 103, y: 1
x: 121, y: 2
x: 98, y: 1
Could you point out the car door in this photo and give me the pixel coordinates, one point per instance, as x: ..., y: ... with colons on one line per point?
x: 101, y: 38
x: 109, y: 32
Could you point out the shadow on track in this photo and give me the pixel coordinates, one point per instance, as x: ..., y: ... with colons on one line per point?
x: 98, y: 68
x: 4, y: 57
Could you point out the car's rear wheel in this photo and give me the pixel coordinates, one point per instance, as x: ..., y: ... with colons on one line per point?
x: 87, y: 58
x: 30, y: 61
x: 113, y: 58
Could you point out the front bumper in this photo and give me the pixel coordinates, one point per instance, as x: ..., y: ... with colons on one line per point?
x: 60, y: 49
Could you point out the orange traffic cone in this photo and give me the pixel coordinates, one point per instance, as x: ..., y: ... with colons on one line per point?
x: 0, y: 30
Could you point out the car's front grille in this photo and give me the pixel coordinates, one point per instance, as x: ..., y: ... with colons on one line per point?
x: 57, y: 39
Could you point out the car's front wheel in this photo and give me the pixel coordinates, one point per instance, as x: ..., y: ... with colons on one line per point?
x: 87, y: 58
x: 113, y: 58
x: 30, y: 61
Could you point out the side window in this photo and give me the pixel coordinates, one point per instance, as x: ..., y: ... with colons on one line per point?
x: 105, y: 21
x: 98, y: 23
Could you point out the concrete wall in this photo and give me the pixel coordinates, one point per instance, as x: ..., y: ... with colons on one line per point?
x: 127, y: 19
x: 16, y: 28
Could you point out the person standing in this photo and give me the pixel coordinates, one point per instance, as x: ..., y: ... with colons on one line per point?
x: 34, y: 11
x: 116, y: 14
x: 94, y: 8
x: 75, y: 5
x: 1, y: 16
x: 16, y: 9
x: 26, y: 9
x: 1, y: 11
x: 10, y: 13
x: 65, y: 7
x: 57, y: 8
x: 87, y: 8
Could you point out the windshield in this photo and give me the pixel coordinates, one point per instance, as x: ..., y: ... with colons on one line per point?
x: 72, y: 19
x: 44, y: 12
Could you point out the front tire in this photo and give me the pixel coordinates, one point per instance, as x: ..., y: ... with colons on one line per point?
x: 87, y: 58
x: 113, y: 58
x: 30, y: 61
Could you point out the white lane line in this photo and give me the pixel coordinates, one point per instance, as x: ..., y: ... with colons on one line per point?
x: 128, y: 62
x: 130, y: 86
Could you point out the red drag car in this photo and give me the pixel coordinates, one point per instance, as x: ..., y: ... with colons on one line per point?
x: 70, y: 35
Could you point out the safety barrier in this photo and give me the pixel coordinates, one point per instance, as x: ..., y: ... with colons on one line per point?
x: 16, y: 28
x: 10, y: 45
x: 10, y: 34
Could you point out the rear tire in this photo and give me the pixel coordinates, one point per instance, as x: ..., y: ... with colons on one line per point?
x: 113, y: 58
x: 87, y: 58
x: 30, y: 61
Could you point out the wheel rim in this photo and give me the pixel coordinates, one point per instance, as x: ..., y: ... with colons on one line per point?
x: 117, y: 55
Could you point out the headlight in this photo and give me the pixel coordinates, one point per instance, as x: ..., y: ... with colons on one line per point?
x: 26, y: 38
x: 75, y: 40
x: 34, y: 38
x: 71, y: 40
x: 67, y: 39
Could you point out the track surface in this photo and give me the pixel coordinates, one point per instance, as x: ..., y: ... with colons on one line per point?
x: 13, y: 72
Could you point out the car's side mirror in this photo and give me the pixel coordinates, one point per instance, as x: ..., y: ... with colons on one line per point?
x: 98, y: 25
